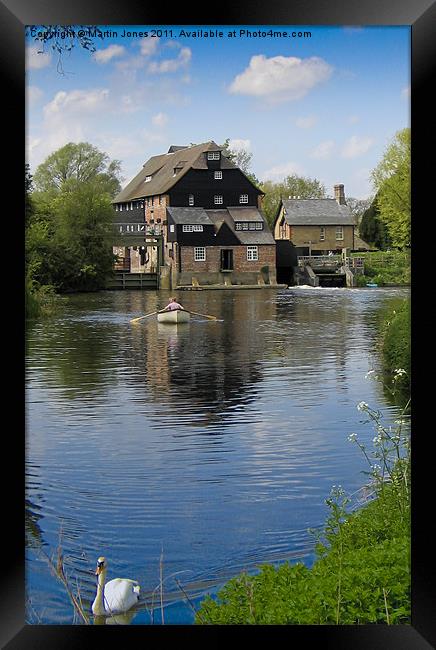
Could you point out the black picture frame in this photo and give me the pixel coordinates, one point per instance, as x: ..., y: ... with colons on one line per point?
x: 421, y: 16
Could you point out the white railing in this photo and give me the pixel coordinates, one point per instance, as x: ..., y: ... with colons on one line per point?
x: 331, y: 261
x: 138, y: 228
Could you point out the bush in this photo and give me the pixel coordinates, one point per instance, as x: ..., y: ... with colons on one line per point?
x: 396, y: 346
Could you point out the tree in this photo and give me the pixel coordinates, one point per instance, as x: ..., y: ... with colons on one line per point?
x: 78, y: 162
x: 69, y: 234
x: 294, y: 185
x: 372, y: 229
x: 358, y: 207
x: 391, y: 179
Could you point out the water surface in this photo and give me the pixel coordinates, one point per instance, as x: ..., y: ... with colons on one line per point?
x: 212, y: 444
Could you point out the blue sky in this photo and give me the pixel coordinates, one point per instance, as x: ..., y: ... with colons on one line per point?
x: 324, y: 107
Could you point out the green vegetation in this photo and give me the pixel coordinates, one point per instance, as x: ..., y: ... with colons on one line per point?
x: 391, y: 179
x: 385, y: 268
x: 395, y: 337
x: 372, y: 229
x: 69, y: 231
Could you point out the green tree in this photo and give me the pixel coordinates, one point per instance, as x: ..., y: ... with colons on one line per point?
x: 391, y: 179
x: 372, y: 229
x: 293, y: 185
x: 69, y: 234
x: 242, y: 159
x: 78, y: 162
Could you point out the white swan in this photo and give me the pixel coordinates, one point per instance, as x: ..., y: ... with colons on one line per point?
x: 118, y: 595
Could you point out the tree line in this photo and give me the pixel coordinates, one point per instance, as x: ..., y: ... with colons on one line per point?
x: 69, y: 229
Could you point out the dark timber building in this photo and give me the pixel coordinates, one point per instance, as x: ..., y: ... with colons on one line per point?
x: 207, y: 214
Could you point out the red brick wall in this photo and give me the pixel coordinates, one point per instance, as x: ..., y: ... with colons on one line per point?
x: 212, y: 264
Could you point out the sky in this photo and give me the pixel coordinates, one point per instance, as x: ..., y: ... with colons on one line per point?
x: 324, y: 106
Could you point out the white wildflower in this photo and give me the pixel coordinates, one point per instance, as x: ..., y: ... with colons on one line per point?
x: 370, y: 373
x: 399, y: 372
x: 352, y: 437
x: 362, y: 406
x: 377, y: 440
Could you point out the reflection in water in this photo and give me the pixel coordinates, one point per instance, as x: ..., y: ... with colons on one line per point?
x: 212, y: 442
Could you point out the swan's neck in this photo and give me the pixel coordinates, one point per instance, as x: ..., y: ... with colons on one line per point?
x: 98, y: 604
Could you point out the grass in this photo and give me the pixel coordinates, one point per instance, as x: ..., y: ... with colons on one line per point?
x: 385, y: 268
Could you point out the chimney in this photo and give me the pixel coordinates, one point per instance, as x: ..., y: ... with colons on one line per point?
x: 340, y: 194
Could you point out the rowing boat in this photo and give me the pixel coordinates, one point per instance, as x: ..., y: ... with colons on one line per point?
x: 173, y: 316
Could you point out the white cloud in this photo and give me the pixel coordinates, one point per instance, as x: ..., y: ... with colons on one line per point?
x: 33, y: 94
x: 160, y: 119
x: 77, y: 102
x: 323, y: 150
x: 36, y: 59
x: 279, y: 172
x: 356, y: 146
x: 280, y: 78
x: 171, y: 65
x: 238, y: 144
x: 306, y: 122
x: 104, y: 56
x: 148, y: 45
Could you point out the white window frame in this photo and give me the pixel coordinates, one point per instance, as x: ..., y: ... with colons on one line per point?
x: 339, y: 235
x: 218, y: 175
x: 121, y: 207
x: 259, y: 225
x: 188, y: 227
x: 213, y: 155
x: 199, y: 253
x: 191, y: 200
x: 245, y: 225
x: 321, y: 233
x: 243, y: 198
x: 171, y: 227
x: 147, y: 179
x: 252, y: 253
x: 238, y: 225
x: 218, y: 199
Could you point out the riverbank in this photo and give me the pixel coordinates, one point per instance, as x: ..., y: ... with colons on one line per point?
x: 362, y: 571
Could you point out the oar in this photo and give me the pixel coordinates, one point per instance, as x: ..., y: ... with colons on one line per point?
x: 135, y: 320
x: 205, y: 315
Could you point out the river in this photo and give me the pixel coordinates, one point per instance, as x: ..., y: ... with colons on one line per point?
x: 202, y: 449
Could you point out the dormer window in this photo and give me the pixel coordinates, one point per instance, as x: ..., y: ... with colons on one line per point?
x: 218, y: 175
x: 191, y: 199
x: 218, y: 199
x: 243, y: 198
x: 213, y: 155
x: 147, y: 179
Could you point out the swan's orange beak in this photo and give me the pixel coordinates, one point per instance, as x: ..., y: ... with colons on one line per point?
x: 99, y: 569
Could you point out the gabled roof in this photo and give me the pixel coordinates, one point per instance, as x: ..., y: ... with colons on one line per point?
x: 316, y: 212
x: 189, y: 216
x: 221, y: 216
x: 246, y: 237
x: 161, y: 170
